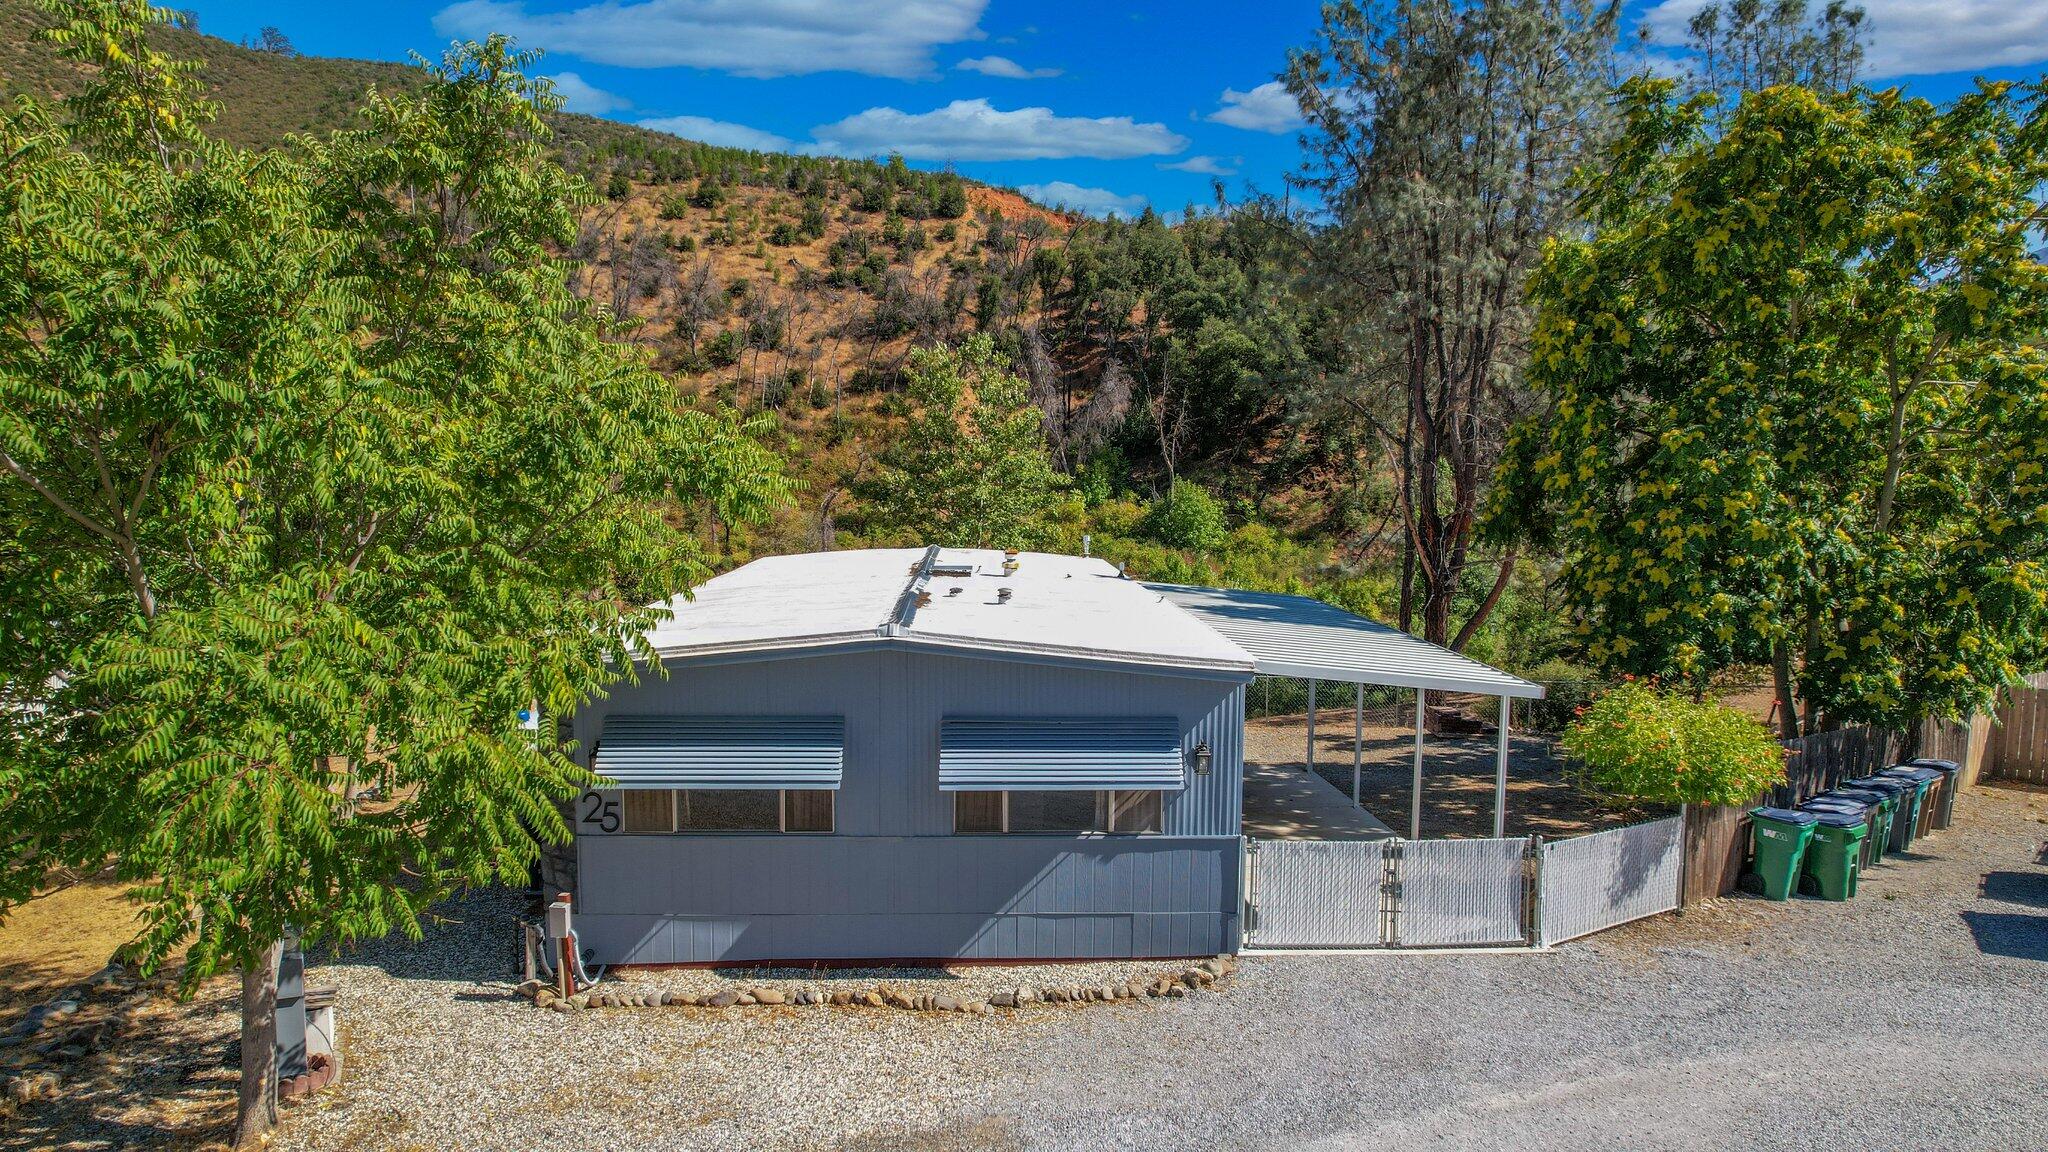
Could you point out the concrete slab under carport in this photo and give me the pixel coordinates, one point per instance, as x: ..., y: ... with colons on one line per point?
x: 1290, y: 804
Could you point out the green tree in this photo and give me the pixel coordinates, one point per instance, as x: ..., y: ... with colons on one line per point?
x: 1187, y: 516
x: 969, y: 467
x: 1442, y: 135
x: 1747, y: 45
x: 1800, y: 402
x: 313, y: 476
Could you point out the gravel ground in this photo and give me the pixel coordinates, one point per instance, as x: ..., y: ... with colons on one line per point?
x: 1914, y: 1017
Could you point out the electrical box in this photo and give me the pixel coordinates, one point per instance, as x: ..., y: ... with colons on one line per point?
x: 558, y: 920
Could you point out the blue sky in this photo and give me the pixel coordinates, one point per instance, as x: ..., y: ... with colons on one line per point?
x: 1106, y: 107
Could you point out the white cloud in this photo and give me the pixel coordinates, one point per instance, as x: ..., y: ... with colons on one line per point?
x: 746, y: 37
x: 1267, y: 108
x: 1093, y: 201
x: 1916, y: 37
x: 720, y: 132
x: 1004, y: 68
x: 976, y: 130
x: 579, y: 95
x: 1206, y: 165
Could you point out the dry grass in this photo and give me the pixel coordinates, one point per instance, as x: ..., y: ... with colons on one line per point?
x: 60, y: 938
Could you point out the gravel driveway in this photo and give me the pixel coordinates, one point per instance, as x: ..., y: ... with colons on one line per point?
x: 1913, y: 1017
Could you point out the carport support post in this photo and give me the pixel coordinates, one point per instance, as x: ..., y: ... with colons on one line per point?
x: 1357, y: 742
x: 1415, y: 789
x: 1500, y: 774
x: 1311, y: 763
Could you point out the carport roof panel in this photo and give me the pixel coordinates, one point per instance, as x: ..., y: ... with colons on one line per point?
x: 1297, y: 636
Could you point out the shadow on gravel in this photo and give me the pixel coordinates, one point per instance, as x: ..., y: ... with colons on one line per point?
x: 2029, y: 888
x: 2009, y: 934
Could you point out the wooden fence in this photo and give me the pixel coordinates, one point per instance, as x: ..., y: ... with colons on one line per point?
x: 1717, y: 838
x: 2017, y: 747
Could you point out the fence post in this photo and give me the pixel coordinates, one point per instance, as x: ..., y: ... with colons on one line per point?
x: 1536, y: 854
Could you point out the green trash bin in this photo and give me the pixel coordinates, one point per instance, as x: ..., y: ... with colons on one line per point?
x: 1834, y: 854
x: 1880, y: 805
x: 1778, y: 839
x: 1922, y: 781
x: 1904, y: 794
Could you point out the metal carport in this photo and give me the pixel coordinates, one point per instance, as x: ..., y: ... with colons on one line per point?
x: 1297, y: 636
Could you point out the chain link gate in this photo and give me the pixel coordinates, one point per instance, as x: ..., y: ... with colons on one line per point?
x: 1387, y: 893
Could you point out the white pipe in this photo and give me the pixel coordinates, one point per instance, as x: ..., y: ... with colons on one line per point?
x: 1415, y: 789
x: 1500, y: 775
x: 1357, y: 743
x: 1311, y: 765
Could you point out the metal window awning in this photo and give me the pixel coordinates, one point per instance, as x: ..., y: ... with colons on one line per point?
x: 1067, y: 753
x: 722, y: 751
x: 1297, y: 636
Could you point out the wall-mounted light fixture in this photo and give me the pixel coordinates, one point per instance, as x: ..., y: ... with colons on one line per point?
x: 1203, y: 758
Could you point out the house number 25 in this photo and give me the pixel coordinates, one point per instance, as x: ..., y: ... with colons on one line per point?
x: 600, y: 813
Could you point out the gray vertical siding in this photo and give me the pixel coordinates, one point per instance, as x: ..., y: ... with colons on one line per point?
x: 893, y: 881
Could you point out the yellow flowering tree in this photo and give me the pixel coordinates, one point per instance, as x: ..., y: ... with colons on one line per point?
x: 1798, y: 399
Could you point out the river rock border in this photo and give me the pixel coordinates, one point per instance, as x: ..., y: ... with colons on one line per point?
x: 1211, y: 973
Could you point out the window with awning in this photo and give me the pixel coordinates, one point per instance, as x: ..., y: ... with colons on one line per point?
x: 722, y: 752
x: 1044, y: 754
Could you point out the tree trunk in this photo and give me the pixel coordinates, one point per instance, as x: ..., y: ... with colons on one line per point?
x: 1486, y: 606
x: 1781, y: 683
x: 256, y: 1112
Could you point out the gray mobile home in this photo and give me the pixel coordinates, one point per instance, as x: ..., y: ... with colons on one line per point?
x: 924, y: 754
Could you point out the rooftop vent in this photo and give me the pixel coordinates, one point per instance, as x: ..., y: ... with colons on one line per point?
x: 953, y: 564
x: 1002, y: 595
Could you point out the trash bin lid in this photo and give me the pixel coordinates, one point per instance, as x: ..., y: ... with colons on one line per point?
x: 1837, y: 819
x: 1784, y: 816
x: 1889, y: 785
x: 1837, y: 804
x: 1948, y: 766
x: 1864, y: 796
x: 1909, y: 772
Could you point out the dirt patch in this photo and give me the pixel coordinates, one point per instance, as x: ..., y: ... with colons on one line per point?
x: 1457, y: 777
x: 58, y: 939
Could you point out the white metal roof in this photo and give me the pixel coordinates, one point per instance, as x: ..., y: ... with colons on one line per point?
x: 1057, y: 607
x: 1297, y: 636
x: 1069, y: 607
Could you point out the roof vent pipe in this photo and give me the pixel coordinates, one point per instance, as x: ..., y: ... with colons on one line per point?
x: 1086, y: 539
x: 1002, y: 595
x: 1120, y: 573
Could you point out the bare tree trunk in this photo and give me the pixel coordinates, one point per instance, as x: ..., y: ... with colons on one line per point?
x: 256, y: 1111
x: 1781, y: 683
x: 1486, y: 606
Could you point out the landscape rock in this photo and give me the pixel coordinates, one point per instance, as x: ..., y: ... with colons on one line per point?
x: 842, y: 997
x: 529, y: 988
x: 1003, y: 999
x: 872, y: 999
x: 769, y: 996
x: 723, y: 998
x: 945, y: 1004
x: 545, y: 997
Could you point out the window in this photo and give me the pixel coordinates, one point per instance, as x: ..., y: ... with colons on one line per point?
x: 807, y: 810
x: 727, y: 810
x: 1132, y: 811
x: 1056, y: 812
x: 648, y: 811
x: 978, y: 812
